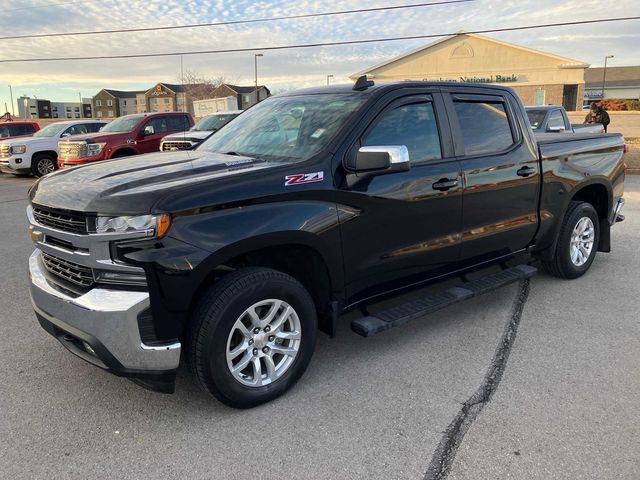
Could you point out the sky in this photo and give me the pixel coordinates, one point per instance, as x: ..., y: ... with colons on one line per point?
x: 279, y: 70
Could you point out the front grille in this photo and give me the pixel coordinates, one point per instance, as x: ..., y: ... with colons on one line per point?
x: 65, y: 221
x: 69, y: 271
x: 168, y: 146
x: 5, y: 151
x: 72, y: 150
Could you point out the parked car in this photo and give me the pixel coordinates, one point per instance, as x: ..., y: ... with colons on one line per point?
x: 310, y: 204
x: 38, y: 154
x: 129, y: 135
x: 206, y: 126
x: 17, y: 128
x: 554, y: 119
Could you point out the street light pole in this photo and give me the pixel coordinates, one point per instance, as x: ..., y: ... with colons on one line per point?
x: 328, y: 77
x: 255, y: 60
x: 13, y: 112
x: 604, y: 73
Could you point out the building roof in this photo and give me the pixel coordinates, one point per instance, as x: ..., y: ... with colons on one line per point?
x: 119, y: 93
x: 616, y: 77
x: 567, y: 62
x: 243, y: 89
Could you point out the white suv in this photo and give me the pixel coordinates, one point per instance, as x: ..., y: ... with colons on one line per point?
x: 39, y: 154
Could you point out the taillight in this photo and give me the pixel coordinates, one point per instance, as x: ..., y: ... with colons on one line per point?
x: 626, y: 148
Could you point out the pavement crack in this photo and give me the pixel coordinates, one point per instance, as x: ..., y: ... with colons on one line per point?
x: 445, y: 453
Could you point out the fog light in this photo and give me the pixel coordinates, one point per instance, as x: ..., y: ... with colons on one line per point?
x: 18, y: 160
x: 120, y: 278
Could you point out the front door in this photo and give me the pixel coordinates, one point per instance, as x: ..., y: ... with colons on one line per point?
x: 151, y: 142
x: 501, y: 176
x: 400, y: 228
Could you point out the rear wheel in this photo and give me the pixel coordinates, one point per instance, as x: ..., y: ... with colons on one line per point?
x: 577, y: 242
x: 252, y: 336
x: 43, y: 164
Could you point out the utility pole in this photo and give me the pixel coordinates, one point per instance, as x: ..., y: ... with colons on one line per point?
x: 604, y: 73
x: 11, y: 93
x: 184, y: 92
x: 255, y: 60
x: 328, y: 77
x: 81, y: 104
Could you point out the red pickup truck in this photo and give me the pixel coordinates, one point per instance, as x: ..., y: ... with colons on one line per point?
x: 124, y: 136
x: 13, y: 129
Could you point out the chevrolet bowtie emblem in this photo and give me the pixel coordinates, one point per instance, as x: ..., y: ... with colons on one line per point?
x: 35, y: 235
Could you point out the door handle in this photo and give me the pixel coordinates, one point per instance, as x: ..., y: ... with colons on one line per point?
x: 444, y: 184
x: 526, y: 171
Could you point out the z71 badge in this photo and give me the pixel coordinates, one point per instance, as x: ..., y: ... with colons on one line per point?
x: 300, y: 178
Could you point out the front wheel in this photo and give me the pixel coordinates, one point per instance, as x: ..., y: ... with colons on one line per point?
x: 43, y: 164
x: 252, y: 336
x: 577, y: 242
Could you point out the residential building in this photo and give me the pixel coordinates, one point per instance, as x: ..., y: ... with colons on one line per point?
x: 538, y: 77
x: 245, y: 95
x: 33, y: 107
x: 108, y: 103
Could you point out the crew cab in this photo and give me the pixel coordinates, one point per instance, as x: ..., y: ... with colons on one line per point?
x: 308, y: 205
x: 38, y: 154
x: 17, y: 128
x: 128, y: 135
x: 554, y: 119
x: 204, y: 128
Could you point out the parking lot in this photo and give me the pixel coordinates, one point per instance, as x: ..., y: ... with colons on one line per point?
x: 558, y: 361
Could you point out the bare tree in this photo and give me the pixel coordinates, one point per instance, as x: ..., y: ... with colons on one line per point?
x: 198, y: 86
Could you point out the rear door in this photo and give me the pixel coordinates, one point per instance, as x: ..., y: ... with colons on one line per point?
x: 500, y: 175
x: 401, y: 228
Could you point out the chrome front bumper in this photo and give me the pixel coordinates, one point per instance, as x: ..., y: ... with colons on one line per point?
x: 100, y: 326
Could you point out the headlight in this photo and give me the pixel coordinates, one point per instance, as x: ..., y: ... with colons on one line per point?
x: 94, y: 148
x: 16, y: 149
x: 152, y: 225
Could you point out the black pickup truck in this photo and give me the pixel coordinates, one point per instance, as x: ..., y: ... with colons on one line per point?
x: 310, y: 204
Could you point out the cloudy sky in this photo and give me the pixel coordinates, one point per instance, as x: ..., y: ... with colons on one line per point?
x: 280, y: 70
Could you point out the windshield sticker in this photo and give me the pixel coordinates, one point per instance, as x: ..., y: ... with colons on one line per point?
x: 317, y: 133
x: 300, y: 178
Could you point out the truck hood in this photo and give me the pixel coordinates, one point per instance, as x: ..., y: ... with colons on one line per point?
x: 30, y: 141
x: 188, y: 135
x: 100, y: 137
x: 132, y: 185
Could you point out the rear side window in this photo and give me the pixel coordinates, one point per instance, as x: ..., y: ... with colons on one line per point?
x: 93, y: 127
x: 555, y: 120
x: 485, y: 127
x: 412, y: 125
x: 177, y: 123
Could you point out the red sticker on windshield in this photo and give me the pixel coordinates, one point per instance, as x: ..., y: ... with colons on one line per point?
x: 300, y: 178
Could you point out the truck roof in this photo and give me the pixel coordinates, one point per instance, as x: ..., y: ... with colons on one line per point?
x: 384, y: 87
x: 543, y: 107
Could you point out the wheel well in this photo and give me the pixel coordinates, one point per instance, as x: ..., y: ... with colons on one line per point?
x: 300, y: 261
x: 598, y: 196
x: 51, y: 153
x: 123, y: 152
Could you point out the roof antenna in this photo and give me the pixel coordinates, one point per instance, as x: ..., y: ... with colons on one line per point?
x: 362, y: 83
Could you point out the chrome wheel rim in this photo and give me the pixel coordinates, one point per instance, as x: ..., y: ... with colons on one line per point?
x: 263, y: 343
x: 582, y: 239
x: 45, y: 166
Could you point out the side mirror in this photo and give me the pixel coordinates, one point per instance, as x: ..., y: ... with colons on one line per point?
x: 382, y: 159
x: 148, y: 130
x: 64, y: 135
x: 555, y: 128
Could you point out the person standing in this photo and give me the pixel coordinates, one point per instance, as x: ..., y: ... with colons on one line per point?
x: 597, y: 114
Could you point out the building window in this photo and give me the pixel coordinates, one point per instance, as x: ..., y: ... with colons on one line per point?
x: 77, y: 115
x: 111, y: 113
x: 76, y: 109
x: 166, y: 101
x: 68, y: 115
x: 45, y: 108
x: 98, y: 114
x: 98, y: 103
x: 124, y: 102
x: 109, y: 103
x: 246, y: 98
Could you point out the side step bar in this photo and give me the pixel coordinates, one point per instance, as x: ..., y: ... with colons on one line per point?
x: 401, y: 314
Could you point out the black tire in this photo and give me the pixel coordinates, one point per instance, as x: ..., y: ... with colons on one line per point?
x: 40, y: 163
x: 214, y: 317
x: 561, y: 265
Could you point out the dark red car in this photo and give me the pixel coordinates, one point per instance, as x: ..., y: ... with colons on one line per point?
x: 15, y: 129
x: 124, y: 136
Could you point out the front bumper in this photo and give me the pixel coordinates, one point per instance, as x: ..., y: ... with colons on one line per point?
x: 15, y: 164
x: 101, y: 327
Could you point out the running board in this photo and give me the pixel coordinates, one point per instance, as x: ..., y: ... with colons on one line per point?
x: 401, y: 314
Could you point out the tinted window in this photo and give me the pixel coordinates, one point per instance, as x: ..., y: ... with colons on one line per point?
x: 93, y: 127
x: 485, y: 127
x: 536, y: 118
x: 411, y: 125
x: 76, y: 130
x: 159, y: 124
x: 177, y: 123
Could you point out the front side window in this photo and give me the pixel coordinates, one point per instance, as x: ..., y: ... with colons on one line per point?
x: 288, y: 129
x: 159, y: 124
x: 76, y: 130
x: 413, y: 126
x: 485, y: 127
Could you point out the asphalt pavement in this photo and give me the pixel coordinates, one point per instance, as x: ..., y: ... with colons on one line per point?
x: 562, y: 402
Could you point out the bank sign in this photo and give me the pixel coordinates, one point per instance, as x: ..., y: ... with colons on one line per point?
x: 474, y: 79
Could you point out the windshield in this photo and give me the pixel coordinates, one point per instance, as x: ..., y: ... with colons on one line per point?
x: 51, y: 130
x: 285, y: 128
x: 122, y: 124
x: 214, y: 122
x: 536, y: 118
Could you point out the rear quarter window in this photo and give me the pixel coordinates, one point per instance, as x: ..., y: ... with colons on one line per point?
x: 484, y: 126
